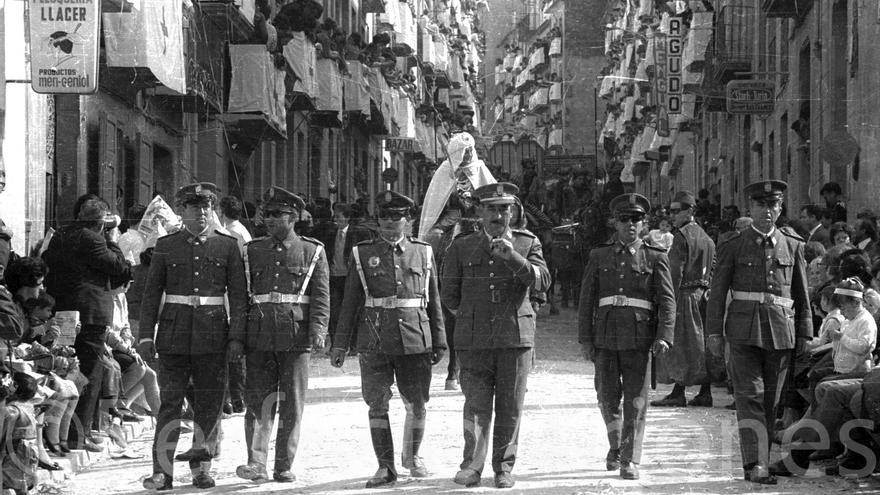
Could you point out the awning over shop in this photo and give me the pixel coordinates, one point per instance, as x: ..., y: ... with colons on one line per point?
x: 150, y: 37
x: 257, y: 85
x: 301, y: 57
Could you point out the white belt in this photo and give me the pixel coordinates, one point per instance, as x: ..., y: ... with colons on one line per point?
x: 278, y: 298
x: 625, y: 301
x: 763, y: 298
x: 393, y: 302
x: 195, y: 301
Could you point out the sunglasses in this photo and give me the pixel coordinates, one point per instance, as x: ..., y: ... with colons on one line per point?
x: 391, y: 215
x: 629, y: 218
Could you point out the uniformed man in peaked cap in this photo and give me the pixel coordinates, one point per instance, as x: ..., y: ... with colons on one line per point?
x: 487, y: 278
x: 768, y: 317
x: 289, y: 280
x: 690, y: 260
x: 197, y: 269
x: 393, y: 304
x: 626, y: 313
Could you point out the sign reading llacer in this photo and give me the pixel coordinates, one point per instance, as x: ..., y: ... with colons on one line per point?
x: 64, y: 45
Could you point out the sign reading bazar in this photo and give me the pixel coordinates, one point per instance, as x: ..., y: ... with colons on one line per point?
x: 64, y: 45
x: 751, y: 97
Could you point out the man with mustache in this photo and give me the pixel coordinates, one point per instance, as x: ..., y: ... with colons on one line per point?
x: 392, y: 304
x: 768, y: 320
x: 487, y: 279
x: 197, y: 269
x: 626, y: 314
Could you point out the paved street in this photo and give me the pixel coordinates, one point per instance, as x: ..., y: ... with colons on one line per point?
x: 562, y: 443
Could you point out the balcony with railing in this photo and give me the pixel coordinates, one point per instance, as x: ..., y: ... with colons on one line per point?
x: 731, y: 47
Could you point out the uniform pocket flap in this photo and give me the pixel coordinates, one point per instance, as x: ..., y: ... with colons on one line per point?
x: 417, y: 270
x: 784, y: 260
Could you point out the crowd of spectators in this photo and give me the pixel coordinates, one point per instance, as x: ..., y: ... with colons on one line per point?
x: 843, y: 273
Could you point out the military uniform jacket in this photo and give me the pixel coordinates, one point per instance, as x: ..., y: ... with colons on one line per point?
x: 745, y: 263
x: 281, y: 267
x: 490, y: 296
x: 636, y: 271
x: 209, y: 265
x: 691, y: 257
x: 405, y: 271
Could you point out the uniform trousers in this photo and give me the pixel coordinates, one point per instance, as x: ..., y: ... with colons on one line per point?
x: 92, y: 355
x: 623, y: 374
x: 413, y: 375
x: 490, y: 376
x: 208, y: 375
x: 337, y: 292
x: 276, y: 382
x: 757, y: 376
x: 452, y: 368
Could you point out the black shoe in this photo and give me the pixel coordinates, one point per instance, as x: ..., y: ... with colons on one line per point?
x: 238, y: 407
x: 467, y: 477
x: 612, y: 460
x: 251, y: 472
x: 203, y: 481
x: 504, y: 480
x: 670, y: 401
x: 383, y: 477
x: 63, y: 446
x: 227, y: 408
x: 159, y: 482
x: 55, y: 449
x: 760, y: 474
x: 284, y: 476
x: 629, y: 470
x: 829, y: 453
x: 49, y: 465
x: 731, y: 406
x: 850, y: 464
x: 91, y: 446
x: 701, y: 400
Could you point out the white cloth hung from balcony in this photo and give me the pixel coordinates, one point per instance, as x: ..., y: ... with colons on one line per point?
x: 329, y: 86
x: 302, y: 58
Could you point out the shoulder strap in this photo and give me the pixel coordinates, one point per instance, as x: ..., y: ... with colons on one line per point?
x: 429, y: 253
x: 360, y: 269
x: 318, y: 249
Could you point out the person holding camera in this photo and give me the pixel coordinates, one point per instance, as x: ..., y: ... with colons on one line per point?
x: 84, y: 262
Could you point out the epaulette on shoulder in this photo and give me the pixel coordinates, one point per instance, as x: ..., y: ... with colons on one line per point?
x: 415, y: 240
x: 464, y: 233
x: 366, y: 242
x: 790, y: 232
x: 645, y: 245
x: 524, y: 232
x: 312, y: 240
x: 728, y: 236
x: 224, y: 234
x: 256, y: 240
x: 609, y: 242
x: 170, y: 235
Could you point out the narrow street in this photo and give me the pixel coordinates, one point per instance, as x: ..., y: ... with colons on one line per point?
x: 562, y: 443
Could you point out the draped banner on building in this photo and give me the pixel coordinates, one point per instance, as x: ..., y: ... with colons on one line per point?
x: 64, y: 37
x: 150, y: 37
